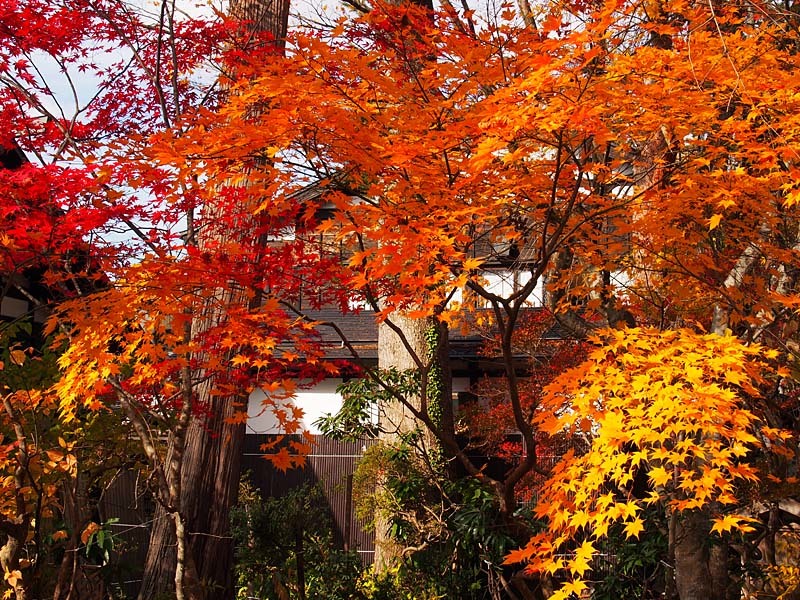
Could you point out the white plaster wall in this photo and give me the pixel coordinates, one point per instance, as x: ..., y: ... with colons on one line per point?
x: 505, y: 283
x: 316, y: 402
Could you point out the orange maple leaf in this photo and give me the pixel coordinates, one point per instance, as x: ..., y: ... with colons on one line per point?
x: 283, y: 460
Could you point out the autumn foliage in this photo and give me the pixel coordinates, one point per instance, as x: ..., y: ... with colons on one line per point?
x: 639, y: 159
x: 636, y: 161
x: 675, y: 407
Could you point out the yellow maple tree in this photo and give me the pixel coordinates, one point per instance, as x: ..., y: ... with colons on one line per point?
x: 659, y: 404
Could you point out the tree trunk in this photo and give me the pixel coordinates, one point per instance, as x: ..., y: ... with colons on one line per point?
x: 396, y: 418
x: 209, y: 482
x: 417, y: 343
x: 699, y: 567
x: 212, y: 460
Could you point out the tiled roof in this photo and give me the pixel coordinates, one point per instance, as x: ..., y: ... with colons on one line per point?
x: 361, y: 330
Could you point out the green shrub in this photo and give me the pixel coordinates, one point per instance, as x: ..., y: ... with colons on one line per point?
x: 285, y: 548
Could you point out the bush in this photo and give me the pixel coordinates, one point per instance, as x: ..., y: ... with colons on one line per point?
x: 450, y: 534
x: 285, y: 548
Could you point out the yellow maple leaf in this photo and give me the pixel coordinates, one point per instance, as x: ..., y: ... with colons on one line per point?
x: 239, y: 360
x: 732, y: 522
x: 634, y: 528
x: 571, y: 589
x: 583, y: 555
x: 659, y: 476
x: 472, y: 263
x: 579, y: 519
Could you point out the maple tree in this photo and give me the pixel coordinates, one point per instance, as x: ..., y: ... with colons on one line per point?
x: 176, y: 323
x: 544, y: 355
x: 46, y: 465
x: 48, y: 469
x: 674, y: 405
x: 637, y: 157
x: 33, y: 463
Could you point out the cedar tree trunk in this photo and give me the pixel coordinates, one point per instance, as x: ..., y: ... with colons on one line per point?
x: 212, y: 460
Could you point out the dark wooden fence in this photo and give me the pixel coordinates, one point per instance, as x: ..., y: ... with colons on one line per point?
x: 127, y: 512
x: 331, y: 465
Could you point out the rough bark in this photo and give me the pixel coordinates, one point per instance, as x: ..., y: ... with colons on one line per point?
x: 393, y: 352
x: 692, y: 575
x: 407, y: 347
x: 209, y: 479
x: 270, y: 16
x: 212, y: 455
x: 395, y: 417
